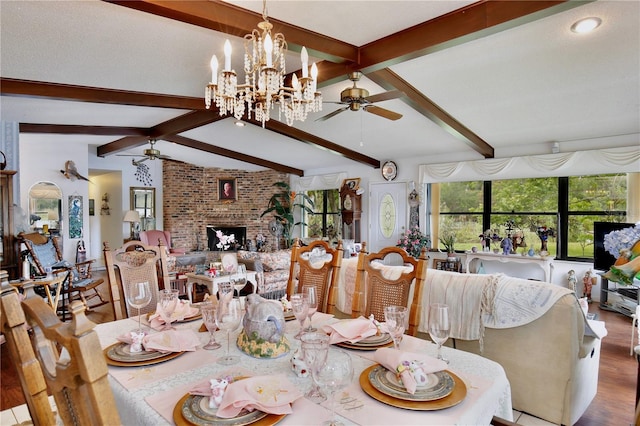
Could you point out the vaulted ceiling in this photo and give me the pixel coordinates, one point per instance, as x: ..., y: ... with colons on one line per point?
x: 479, y: 80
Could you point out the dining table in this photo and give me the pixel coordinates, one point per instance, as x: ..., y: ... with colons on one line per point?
x: 147, y: 394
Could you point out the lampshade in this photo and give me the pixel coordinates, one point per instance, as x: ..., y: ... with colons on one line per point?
x: 131, y: 216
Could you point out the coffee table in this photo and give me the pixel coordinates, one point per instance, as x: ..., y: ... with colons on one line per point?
x: 212, y: 282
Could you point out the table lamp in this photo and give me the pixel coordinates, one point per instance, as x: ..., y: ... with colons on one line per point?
x: 133, y: 217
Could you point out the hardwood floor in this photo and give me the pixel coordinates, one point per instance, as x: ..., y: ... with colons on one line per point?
x: 613, y: 405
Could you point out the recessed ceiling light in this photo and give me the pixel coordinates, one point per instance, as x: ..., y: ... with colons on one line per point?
x: 586, y: 25
x: 239, y: 123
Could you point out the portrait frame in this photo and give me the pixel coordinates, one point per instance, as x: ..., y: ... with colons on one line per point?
x: 92, y: 207
x: 352, y: 183
x: 232, y: 194
x: 75, y: 216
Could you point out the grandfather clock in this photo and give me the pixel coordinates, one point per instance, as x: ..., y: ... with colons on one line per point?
x: 351, y: 209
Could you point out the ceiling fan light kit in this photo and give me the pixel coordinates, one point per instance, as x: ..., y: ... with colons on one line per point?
x: 264, y: 67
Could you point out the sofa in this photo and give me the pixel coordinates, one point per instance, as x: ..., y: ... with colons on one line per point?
x: 537, y: 331
x: 272, y: 270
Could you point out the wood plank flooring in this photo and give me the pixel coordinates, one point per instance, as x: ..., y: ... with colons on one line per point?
x: 613, y: 405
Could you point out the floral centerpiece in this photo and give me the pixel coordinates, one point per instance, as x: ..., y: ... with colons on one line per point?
x: 413, y: 241
x: 624, y: 245
x: 225, y: 241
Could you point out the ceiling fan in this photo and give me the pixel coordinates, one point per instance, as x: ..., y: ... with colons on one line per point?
x: 149, y: 154
x: 356, y: 98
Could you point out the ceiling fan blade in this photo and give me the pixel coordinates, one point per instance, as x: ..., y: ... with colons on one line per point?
x: 138, y: 162
x: 331, y: 114
x: 129, y: 155
x: 385, y: 113
x: 385, y: 96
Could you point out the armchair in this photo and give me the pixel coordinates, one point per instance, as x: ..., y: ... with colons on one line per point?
x: 45, y: 253
x: 154, y: 237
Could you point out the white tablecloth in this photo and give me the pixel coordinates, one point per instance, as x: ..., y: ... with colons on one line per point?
x: 162, y: 385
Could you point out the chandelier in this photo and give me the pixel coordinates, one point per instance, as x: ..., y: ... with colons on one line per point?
x: 263, y: 88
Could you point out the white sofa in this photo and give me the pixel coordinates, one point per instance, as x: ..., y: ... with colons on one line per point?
x: 537, y: 331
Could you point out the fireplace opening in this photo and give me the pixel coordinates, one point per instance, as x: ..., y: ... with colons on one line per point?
x: 239, y: 232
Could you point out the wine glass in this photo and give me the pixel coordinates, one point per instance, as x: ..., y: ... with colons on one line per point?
x: 315, y: 347
x: 439, y: 326
x: 312, y: 298
x: 228, y: 316
x: 335, y: 374
x: 300, y: 307
x: 138, y: 296
x: 241, y: 278
x: 168, y: 304
x: 395, y: 318
x: 208, y: 311
x: 224, y: 287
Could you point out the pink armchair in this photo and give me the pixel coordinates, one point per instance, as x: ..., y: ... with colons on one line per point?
x: 154, y: 236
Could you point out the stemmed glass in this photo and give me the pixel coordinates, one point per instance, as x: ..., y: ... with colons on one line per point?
x: 228, y: 317
x: 208, y: 311
x: 139, y: 296
x: 168, y: 304
x: 439, y: 326
x: 224, y: 288
x: 335, y: 374
x: 395, y: 318
x: 241, y: 278
x: 315, y: 347
x: 312, y: 298
x: 300, y: 307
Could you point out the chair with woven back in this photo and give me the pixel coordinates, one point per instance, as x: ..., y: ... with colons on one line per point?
x: 316, y: 264
x: 135, y: 262
x: 44, y: 252
x: 66, y: 358
x: 381, y: 285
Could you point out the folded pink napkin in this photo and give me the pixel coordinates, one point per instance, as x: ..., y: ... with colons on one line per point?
x: 183, y: 310
x: 167, y: 341
x: 410, y: 367
x: 350, y: 330
x: 272, y: 394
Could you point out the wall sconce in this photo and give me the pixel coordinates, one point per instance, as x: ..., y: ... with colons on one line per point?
x: 133, y: 217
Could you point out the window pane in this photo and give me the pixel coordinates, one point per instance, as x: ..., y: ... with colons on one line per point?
x: 466, y: 228
x: 525, y: 195
x: 598, y: 193
x: 325, y: 221
x: 525, y: 227
x: 461, y: 197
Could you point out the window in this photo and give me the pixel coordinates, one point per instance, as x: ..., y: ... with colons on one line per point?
x: 568, y: 205
x: 325, y: 221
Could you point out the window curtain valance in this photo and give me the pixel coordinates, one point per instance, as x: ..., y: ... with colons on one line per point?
x: 318, y: 182
x: 580, y: 163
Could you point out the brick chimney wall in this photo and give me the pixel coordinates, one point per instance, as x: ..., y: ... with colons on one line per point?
x: 191, y: 202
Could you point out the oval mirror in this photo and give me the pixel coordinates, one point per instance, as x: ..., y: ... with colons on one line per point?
x: 45, y: 208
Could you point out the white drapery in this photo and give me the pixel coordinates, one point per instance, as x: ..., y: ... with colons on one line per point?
x: 318, y: 182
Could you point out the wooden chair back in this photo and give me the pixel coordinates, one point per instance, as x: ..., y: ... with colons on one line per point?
x: 378, y: 290
x: 132, y: 263
x: 32, y: 381
x: 72, y: 363
x: 316, y: 264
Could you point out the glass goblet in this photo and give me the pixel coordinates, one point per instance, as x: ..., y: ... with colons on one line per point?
x: 167, y: 305
x: 224, y: 288
x: 395, y: 318
x: 439, y: 326
x: 138, y: 296
x: 241, y: 278
x: 315, y: 347
x: 300, y: 308
x: 312, y: 297
x: 228, y: 317
x: 208, y: 311
x: 334, y: 375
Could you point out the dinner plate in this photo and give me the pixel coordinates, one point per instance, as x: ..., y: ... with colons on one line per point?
x: 193, y: 317
x: 454, y: 398
x: 370, y: 343
x: 194, y: 410
x: 438, y: 385
x: 120, y: 355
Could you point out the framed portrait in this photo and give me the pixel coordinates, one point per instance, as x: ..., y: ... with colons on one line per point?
x: 352, y: 183
x: 92, y: 207
x: 75, y: 216
x: 227, y: 190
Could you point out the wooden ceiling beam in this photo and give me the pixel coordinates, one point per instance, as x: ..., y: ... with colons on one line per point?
x: 121, y: 144
x: 202, y: 146
x: 70, y: 129
x: 425, y: 106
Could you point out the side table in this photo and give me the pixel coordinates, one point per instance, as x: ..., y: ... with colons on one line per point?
x: 212, y: 282
x: 54, y: 282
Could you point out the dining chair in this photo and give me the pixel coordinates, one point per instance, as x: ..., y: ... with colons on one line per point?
x: 72, y: 362
x: 15, y: 330
x: 131, y: 263
x: 316, y: 264
x: 44, y: 252
x: 389, y: 286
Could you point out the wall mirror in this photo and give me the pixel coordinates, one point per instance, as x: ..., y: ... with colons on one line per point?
x: 45, y: 208
x: 143, y: 200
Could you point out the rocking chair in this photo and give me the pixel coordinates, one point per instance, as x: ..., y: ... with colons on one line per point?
x: 45, y: 253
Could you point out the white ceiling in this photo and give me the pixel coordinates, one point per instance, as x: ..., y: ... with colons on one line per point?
x: 520, y: 89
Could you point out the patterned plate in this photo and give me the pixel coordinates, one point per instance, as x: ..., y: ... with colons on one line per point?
x: 194, y: 410
x: 119, y: 354
x: 369, y: 344
x: 438, y: 385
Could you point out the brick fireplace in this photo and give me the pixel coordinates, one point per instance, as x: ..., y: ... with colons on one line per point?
x: 190, y: 202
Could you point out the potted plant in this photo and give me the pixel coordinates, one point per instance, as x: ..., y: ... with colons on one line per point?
x: 448, y: 240
x: 283, y: 203
x: 414, y: 241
